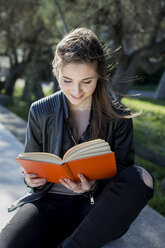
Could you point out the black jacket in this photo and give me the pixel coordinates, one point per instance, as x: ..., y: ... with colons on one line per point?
x: 48, y: 131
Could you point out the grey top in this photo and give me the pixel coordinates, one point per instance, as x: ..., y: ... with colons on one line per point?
x: 81, y: 118
x: 60, y: 189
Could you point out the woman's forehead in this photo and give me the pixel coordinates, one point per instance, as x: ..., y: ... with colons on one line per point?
x: 79, y: 68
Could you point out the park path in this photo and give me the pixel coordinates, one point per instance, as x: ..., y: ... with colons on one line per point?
x: 142, y: 93
x: 11, y: 181
x: 147, y: 231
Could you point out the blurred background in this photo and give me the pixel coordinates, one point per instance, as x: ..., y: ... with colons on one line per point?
x: 133, y: 32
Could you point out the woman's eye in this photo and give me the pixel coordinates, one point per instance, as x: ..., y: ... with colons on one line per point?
x: 87, y: 82
x: 65, y: 81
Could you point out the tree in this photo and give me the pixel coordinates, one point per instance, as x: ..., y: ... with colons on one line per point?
x: 160, y: 91
x: 37, y: 71
x: 133, y: 29
x: 25, y: 36
x: 136, y: 27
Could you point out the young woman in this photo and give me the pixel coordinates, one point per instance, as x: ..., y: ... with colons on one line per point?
x: 63, y: 215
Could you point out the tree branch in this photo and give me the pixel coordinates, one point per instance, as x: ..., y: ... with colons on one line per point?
x: 149, y: 67
x: 159, y: 19
x: 86, y: 18
x: 61, y: 17
x: 154, y: 50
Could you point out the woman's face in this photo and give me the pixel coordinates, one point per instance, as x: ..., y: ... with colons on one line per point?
x: 78, y: 82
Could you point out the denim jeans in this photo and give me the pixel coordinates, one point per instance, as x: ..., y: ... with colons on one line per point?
x: 72, y: 222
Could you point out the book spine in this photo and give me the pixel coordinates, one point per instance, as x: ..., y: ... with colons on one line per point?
x: 67, y: 172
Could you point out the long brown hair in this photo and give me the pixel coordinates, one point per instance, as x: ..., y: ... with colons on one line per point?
x: 82, y: 45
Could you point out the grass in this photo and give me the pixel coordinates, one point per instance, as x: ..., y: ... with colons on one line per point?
x: 149, y: 126
x: 148, y: 131
x: 20, y: 107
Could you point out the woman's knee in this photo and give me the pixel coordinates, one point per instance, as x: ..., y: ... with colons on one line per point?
x: 145, y: 176
x: 137, y: 172
x: 137, y: 180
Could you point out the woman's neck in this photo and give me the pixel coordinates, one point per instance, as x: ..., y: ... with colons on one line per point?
x: 78, y: 121
x: 80, y: 107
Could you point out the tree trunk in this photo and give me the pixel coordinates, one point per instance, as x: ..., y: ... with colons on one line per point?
x: 10, y: 83
x: 2, y: 85
x: 31, y: 88
x: 160, y: 91
x: 38, y: 92
x: 14, y: 74
x: 26, y: 92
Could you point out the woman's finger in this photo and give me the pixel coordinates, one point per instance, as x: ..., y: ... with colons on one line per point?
x: 35, y: 185
x: 66, y: 184
x: 78, y: 188
x: 83, y: 179
x: 75, y: 187
x: 36, y: 182
x: 29, y: 175
x: 86, y: 185
x: 33, y: 181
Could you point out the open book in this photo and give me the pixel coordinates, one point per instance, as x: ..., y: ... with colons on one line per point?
x: 94, y: 159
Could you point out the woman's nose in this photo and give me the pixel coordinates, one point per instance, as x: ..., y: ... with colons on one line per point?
x: 77, y: 89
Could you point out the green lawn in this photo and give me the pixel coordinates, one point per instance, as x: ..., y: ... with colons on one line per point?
x: 20, y: 107
x: 148, y: 131
x: 149, y: 126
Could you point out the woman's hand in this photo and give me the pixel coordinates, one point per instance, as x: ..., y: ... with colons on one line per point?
x: 79, y: 188
x: 33, y: 181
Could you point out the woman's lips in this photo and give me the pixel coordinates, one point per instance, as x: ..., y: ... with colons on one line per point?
x: 76, y: 97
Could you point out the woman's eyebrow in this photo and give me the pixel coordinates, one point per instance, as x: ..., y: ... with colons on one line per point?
x: 82, y: 79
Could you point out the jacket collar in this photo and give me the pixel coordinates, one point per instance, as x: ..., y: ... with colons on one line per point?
x: 65, y: 106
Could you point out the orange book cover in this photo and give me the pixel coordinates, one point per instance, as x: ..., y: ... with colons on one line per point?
x: 94, y: 159
x: 93, y: 168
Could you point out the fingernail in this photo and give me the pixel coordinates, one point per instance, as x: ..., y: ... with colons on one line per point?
x: 60, y: 180
x: 67, y: 180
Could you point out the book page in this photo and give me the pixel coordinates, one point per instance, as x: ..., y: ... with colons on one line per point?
x: 41, y: 156
x: 86, y: 155
x: 81, y: 149
x: 87, y: 149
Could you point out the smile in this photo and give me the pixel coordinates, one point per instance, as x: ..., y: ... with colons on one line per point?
x: 76, y: 97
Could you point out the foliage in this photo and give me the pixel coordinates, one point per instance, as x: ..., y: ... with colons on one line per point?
x: 26, y: 40
x: 30, y: 30
x: 133, y: 26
